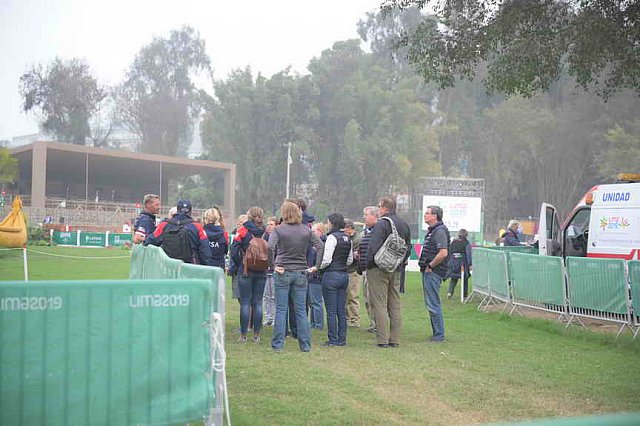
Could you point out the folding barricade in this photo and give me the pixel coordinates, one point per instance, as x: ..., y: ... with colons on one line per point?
x: 490, y: 276
x: 634, y: 281
x: 154, y: 263
x: 499, y: 276
x: 597, y: 288
x: 538, y: 282
x: 106, y: 352
x: 480, y: 283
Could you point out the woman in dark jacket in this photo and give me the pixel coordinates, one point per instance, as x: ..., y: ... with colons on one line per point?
x: 338, y: 253
x: 218, y: 237
x: 314, y: 294
x: 459, y: 260
x: 251, y: 283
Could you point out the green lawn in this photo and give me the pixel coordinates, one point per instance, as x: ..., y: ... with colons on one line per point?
x: 65, y: 263
x: 493, y: 368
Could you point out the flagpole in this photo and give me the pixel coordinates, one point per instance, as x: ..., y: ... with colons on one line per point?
x: 289, y: 161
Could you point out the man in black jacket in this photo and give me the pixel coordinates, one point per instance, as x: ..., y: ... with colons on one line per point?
x: 433, y: 265
x: 384, y: 287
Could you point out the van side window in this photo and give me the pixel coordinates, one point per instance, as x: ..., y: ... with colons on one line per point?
x: 576, y: 234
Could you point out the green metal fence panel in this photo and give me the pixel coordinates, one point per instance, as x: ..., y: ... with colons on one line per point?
x: 157, y: 265
x: 120, y: 239
x: 634, y: 280
x: 105, y: 352
x: 65, y: 238
x: 215, y: 275
x: 481, y: 270
x: 537, y: 278
x: 597, y: 284
x: 136, y: 265
x: 498, y: 274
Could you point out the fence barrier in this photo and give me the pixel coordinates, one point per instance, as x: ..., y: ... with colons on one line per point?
x: 584, y: 288
x: 106, y: 352
x: 634, y: 281
x: 151, y: 262
x: 481, y: 275
x: 538, y: 282
x: 499, y: 276
x: 597, y: 288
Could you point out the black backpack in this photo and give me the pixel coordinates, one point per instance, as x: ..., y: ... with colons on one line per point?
x: 175, y: 240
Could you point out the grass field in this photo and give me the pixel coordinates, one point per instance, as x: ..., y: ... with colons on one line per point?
x: 493, y: 368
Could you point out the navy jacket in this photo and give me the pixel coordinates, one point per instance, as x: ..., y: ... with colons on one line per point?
x: 379, y: 234
x: 200, y: 251
x: 145, y: 224
x: 218, y: 242
x: 240, y: 242
x: 511, y: 238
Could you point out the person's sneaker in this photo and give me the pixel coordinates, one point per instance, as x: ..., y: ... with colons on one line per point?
x: 394, y: 345
x: 383, y: 345
x: 449, y: 295
x: 372, y: 330
x: 268, y: 323
x: 328, y: 345
x: 277, y: 350
x: 434, y: 340
x: 256, y: 339
x: 242, y: 339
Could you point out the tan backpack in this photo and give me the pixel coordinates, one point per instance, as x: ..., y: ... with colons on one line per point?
x: 256, y: 258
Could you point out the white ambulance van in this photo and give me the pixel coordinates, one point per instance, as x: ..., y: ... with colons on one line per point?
x: 605, y: 223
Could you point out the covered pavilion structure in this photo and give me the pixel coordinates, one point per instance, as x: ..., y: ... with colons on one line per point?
x: 51, y: 173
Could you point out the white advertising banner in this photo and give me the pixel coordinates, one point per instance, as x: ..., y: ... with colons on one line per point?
x: 458, y: 212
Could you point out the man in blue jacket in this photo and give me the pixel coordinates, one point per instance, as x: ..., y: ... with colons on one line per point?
x: 200, y: 252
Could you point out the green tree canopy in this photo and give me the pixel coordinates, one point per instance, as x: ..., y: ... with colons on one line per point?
x: 158, y: 99
x: 8, y: 167
x: 65, y: 94
x: 527, y: 44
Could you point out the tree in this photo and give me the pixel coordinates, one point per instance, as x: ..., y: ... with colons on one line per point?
x: 623, y: 151
x: 371, y: 127
x: 158, y: 100
x: 248, y: 123
x: 8, y: 167
x: 66, y: 95
x: 527, y: 44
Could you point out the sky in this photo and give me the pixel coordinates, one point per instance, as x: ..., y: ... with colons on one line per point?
x: 268, y: 36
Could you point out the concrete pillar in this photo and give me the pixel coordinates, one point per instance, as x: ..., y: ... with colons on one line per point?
x: 39, y: 175
x: 230, y: 193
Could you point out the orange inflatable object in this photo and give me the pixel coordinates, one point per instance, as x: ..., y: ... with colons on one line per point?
x: 13, y: 229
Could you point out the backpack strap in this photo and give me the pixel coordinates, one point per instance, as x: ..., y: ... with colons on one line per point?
x: 393, y: 225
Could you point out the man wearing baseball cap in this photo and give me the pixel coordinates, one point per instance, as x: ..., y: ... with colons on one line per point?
x: 198, y: 250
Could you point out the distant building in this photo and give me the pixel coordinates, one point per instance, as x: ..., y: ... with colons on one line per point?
x: 54, y: 176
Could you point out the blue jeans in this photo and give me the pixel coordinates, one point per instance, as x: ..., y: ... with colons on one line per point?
x: 431, y: 289
x: 315, y: 303
x: 334, y: 291
x: 296, y: 281
x: 251, y: 290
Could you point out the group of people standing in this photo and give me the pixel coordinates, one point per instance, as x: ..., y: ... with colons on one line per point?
x: 294, y: 266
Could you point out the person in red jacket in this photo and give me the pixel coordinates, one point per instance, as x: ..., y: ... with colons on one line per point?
x: 200, y: 253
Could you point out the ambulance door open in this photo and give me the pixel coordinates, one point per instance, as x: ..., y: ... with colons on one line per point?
x: 549, y: 231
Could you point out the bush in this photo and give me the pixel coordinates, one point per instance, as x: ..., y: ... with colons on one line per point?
x: 38, y: 236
